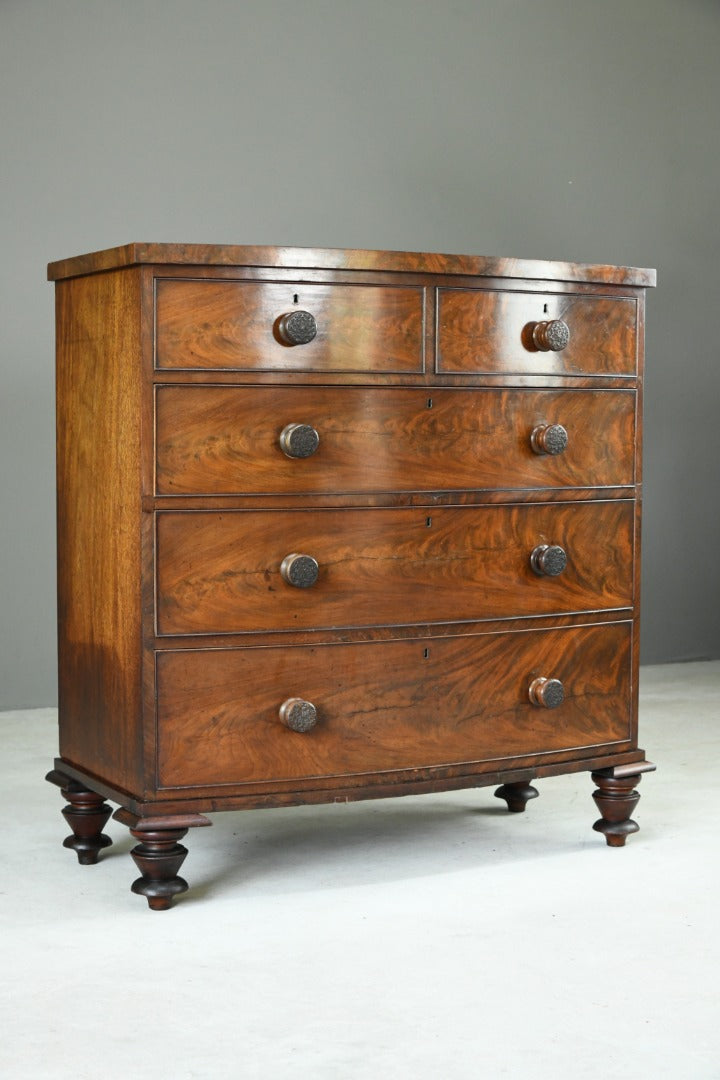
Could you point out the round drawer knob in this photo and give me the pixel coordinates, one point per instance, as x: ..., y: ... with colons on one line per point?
x: 297, y: 327
x: 551, y: 336
x: 299, y: 570
x: 298, y: 715
x: 548, y: 693
x: 299, y: 440
x: 548, y: 559
x: 549, y: 439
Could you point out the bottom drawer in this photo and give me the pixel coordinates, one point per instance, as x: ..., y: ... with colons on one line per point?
x: 385, y: 706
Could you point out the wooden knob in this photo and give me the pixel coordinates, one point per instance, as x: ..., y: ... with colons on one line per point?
x: 298, y: 715
x: 297, y: 327
x: 548, y: 560
x: 299, y: 570
x: 548, y: 693
x: 551, y: 336
x: 299, y: 440
x: 549, y: 439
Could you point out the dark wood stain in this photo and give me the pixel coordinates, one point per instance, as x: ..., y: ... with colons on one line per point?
x: 388, y: 707
x: 486, y: 332
x: 179, y: 637
x: 231, y: 324
x: 222, y: 439
x: 220, y: 572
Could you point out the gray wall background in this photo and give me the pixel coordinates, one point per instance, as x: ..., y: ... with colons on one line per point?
x: 557, y: 129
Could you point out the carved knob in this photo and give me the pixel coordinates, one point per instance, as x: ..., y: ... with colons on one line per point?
x: 297, y: 327
x: 548, y: 559
x: 549, y: 439
x: 299, y: 440
x: 551, y: 336
x: 299, y: 570
x: 298, y: 715
x: 548, y: 693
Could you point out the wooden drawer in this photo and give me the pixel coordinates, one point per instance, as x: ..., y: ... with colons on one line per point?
x: 225, y: 439
x: 237, y: 324
x: 492, y: 332
x: 220, y: 572
x: 385, y: 706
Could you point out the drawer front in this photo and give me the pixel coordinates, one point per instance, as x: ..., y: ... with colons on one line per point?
x: 224, y: 440
x: 495, y: 333
x: 238, y: 324
x: 222, y: 572
x: 391, y: 705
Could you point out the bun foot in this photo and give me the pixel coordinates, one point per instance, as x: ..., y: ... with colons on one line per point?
x: 159, y: 855
x: 616, y: 799
x: 516, y: 795
x: 86, y: 814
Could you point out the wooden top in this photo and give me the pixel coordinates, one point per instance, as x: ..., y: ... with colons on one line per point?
x: 340, y: 259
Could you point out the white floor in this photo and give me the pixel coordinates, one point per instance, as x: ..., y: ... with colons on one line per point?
x: 425, y: 937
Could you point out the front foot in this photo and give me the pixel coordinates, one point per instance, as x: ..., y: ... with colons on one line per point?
x: 616, y: 799
x: 159, y: 855
x: 516, y: 795
x: 86, y: 814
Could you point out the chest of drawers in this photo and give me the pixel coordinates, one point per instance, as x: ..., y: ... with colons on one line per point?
x: 341, y: 525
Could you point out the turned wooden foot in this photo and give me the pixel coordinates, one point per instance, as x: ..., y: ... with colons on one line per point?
x: 617, y: 798
x: 86, y: 814
x: 516, y: 795
x: 159, y: 855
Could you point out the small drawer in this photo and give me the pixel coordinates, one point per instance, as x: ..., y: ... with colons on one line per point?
x: 288, y: 326
x: 236, y: 571
x: 484, y: 332
x: 301, y: 712
x: 230, y: 440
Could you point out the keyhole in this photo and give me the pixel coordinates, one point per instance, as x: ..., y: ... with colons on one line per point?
x: 295, y: 300
x: 428, y: 522
x: 545, y: 307
x: 426, y: 653
x: 430, y: 403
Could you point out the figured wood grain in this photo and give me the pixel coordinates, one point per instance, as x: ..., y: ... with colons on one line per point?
x: 98, y: 524
x: 220, y: 572
x: 234, y: 324
x: 483, y: 331
x: 400, y: 705
x: 230, y: 255
x: 225, y: 439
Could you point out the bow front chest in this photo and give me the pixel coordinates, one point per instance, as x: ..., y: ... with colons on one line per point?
x: 341, y: 525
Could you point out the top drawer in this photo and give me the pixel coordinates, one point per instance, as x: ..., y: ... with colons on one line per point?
x: 213, y: 323
x: 484, y: 332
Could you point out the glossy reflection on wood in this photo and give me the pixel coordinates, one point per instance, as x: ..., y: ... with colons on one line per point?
x: 400, y: 432
x: 384, y: 706
x: 481, y: 331
x: 231, y: 324
x: 221, y: 439
x: 221, y: 572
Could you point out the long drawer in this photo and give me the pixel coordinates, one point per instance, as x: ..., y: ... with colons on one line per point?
x: 227, y: 571
x: 385, y: 706
x: 225, y: 440
x: 239, y: 324
x: 498, y: 332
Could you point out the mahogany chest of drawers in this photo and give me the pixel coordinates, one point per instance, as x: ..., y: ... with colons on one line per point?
x: 341, y: 525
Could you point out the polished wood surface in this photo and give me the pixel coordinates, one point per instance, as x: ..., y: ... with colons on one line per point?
x: 491, y: 332
x: 230, y: 255
x: 399, y: 705
x: 223, y: 439
x: 98, y: 515
x: 221, y: 572
x: 342, y: 525
x: 234, y: 324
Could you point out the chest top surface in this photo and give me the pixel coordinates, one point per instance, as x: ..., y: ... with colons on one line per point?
x: 232, y: 255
